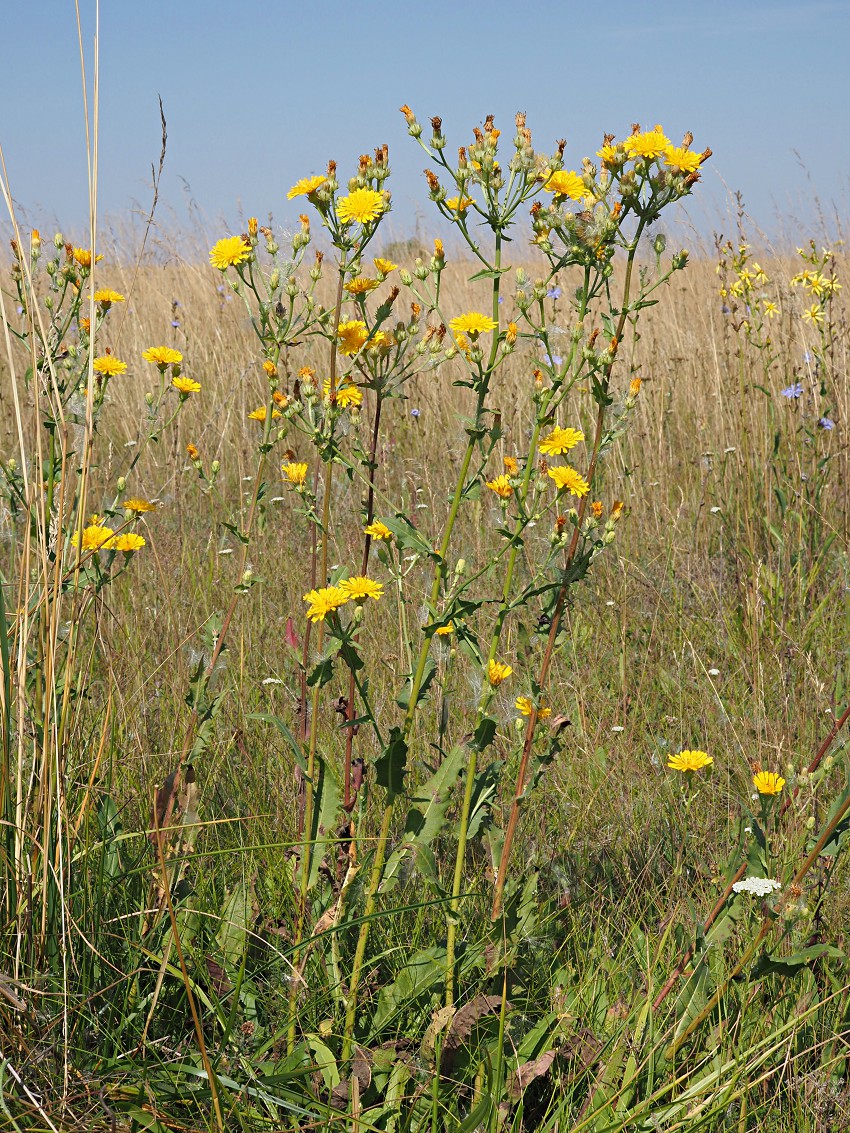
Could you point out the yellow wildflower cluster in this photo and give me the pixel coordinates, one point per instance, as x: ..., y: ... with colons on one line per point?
x: 328, y: 599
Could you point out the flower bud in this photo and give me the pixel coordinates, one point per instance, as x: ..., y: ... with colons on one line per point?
x: 405, y: 277
x: 460, y: 567
x: 215, y: 467
x: 274, y: 279
x: 149, y: 399
x: 122, y: 483
x: 810, y: 822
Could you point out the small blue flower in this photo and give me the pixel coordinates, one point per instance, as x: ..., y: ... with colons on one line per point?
x: 415, y: 412
x: 807, y: 357
x: 501, y: 299
x: 724, y: 310
x: 553, y: 359
x: 553, y: 293
x: 826, y: 423
x: 175, y: 323
x: 221, y: 289
x: 20, y: 309
x: 793, y: 391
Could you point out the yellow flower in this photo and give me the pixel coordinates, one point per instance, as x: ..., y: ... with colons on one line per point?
x: 813, y: 315
x: 83, y: 257
x: 566, y: 184
x: 138, y: 505
x: 511, y: 465
x: 361, y: 587
x: 109, y: 365
x: 185, y: 386
x: 106, y: 298
x: 305, y: 187
x: 597, y: 509
x: 228, y: 252
x: 445, y: 630
x: 351, y: 336
x: 361, y: 206
x: 609, y: 155
x: 348, y: 395
x: 85, y: 325
x: 380, y: 340
x: 384, y: 267
x: 295, y: 473
x: 472, y: 323
x: 689, y: 761
x: 511, y: 333
x: 324, y: 602
x: 770, y: 309
x: 378, y: 530
x: 361, y: 285
x: 259, y: 414
x: 617, y: 510
x: 163, y: 356
x: 681, y: 159
x: 651, y: 144
x: 95, y: 536
x: 458, y: 204
x: 270, y: 368
x: 768, y: 782
x: 524, y: 704
x: 192, y: 451
x: 566, y: 477
x: 501, y: 486
x: 498, y: 671
x: 560, y: 441
x: 129, y: 541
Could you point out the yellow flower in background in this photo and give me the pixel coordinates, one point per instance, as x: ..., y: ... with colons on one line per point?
x: 473, y: 323
x: 361, y: 285
x: 768, y: 782
x: 139, y: 506
x: 681, y: 159
x: 378, y: 530
x: 384, y: 267
x: 813, y: 315
x: 651, y: 144
x: 501, y: 486
x: 106, y: 298
x: 228, y: 252
x: 95, y: 536
x: 185, y: 386
x: 192, y: 452
x: 163, y: 356
x: 259, y: 414
x: 348, y: 395
x: 560, y: 441
x: 458, y: 204
x: 770, y: 309
x: 305, y: 187
x: 360, y: 587
x: 270, y: 368
x: 324, y: 601
x: 351, y: 336
x: 566, y: 184
x: 362, y: 206
x: 498, y: 671
x: 83, y: 257
x: 567, y: 478
x: 524, y: 704
x: 295, y: 473
x: 609, y: 155
x: 511, y: 465
x: 446, y: 630
x: 109, y: 365
x: 597, y: 509
x: 380, y: 340
x: 690, y: 761
x: 127, y: 542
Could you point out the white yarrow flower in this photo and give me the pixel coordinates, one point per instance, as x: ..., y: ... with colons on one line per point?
x: 758, y: 886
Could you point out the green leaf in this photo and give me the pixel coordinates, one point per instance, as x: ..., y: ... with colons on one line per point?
x: 422, y: 971
x: 793, y: 965
x: 430, y: 671
x: 391, y: 765
x: 485, y: 790
x: 408, y: 538
x: 294, y: 745
x: 236, y: 923
x: 235, y: 531
x: 325, y: 809
x: 488, y: 273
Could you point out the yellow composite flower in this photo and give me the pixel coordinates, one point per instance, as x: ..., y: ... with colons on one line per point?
x: 681, y: 159
x: 228, y: 252
x: 186, y: 386
x: 95, y: 536
x: 361, y: 285
x: 609, y: 155
x: 566, y: 184
x: 324, y: 601
x: 192, y: 451
x: 524, y: 704
x: 139, y: 506
x: 445, y: 630
x: 652, y: 143
x: 597, y: 509
x: 83, y: 257
x: 770, y: 309
x: 348, y: 395
x: 109, y: 365
x: 107, y: 297
x: 360, y: 587
x: 259, y: 414
x: 305, y: 187
x: 378, y: 530
x: 270, y: 368
x: 566, y: 477
x: 362, y: 206
x: 690, y: 761
x: 129, y: 541
x: 501, y: 486
x: 384, y: 267
x: 473, y: 323
x: 813, y: 315
x: 351, y: 335
x: 295, y: 473
x: 511, y: 465
x: 497, y: 671
x: 768, y: 782
x: 458, y: 204
x: 560, y: 441
x: 163, y: 356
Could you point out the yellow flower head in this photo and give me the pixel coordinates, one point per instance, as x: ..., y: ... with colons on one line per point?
x: 651, y: 144
x: 566, y: 184
x: 609, y: 155
x: 360, y: 587
x: 270, y: 368
x: 351, y: 336
x: 362, y: 206
x: 511, y: 465
x: 361, y: 285
x: 83, y: 257
x: 560, y: 441
x: 127, y: 542
x: 384, y: 267
x: 446, y: 630
x: 813, y: 315
x: 690, y: 761
x: 163, y: 356
x: 185, y: 386
x: 324, y: 601
x: 458, y: 204
x: 348, y: 395
x: 378, y: 530
x: 770, y: 309
x: 524, y: 704
x: 230, y: 251
x: 95, y: 536
x: 109, y: 365
x: 567, y: 478
x: 682, y: 160
x: 192, y: 452
x: 106, y: 298
x: 501, y: 486
x: 305, y: 187
x: 634, y: 387
x: 472, y: 323
x: 768, y: 782
x: 295, y: 473
x: 259, y: 414
x: 139, y: 506
x: 597, y: 509
x: 498, y: 671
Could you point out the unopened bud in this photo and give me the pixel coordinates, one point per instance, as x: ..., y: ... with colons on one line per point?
x: 122, y: 483
x: 215, y: 467
x: 460, y: 567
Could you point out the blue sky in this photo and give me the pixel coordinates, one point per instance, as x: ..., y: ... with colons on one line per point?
x: 258, y: 94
